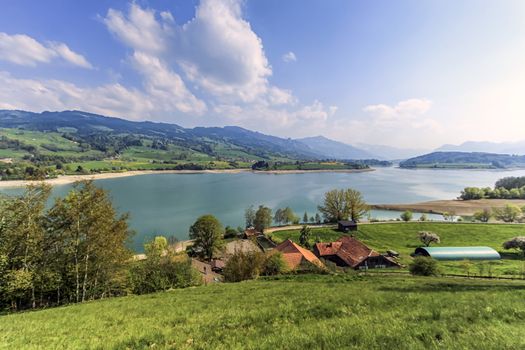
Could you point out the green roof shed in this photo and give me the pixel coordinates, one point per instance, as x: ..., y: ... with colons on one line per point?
x: 459, y: 253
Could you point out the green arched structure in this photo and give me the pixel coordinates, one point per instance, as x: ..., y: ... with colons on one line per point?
x: 459, y: 253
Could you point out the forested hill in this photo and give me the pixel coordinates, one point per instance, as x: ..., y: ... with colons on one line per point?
x: 82, y: 124
x: 466, y: 160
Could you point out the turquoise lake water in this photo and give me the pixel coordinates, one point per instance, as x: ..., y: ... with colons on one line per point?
x: 169, y: 203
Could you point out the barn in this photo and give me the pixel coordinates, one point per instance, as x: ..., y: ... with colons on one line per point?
x: 349, y: 252
x: 346, y: 225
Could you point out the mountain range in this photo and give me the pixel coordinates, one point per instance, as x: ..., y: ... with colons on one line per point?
x: 487, y: 147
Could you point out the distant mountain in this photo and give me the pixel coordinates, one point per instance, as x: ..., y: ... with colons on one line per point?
x: 464, y: 160
x: 205, y: 139
x: 391, y: 153
x: 334, y: 149
x: 485, y: 146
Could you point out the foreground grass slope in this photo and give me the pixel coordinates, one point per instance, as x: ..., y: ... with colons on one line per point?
x: 402, y: 237
x: 298, y: 312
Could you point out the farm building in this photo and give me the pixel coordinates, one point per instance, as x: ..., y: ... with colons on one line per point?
x: 346, y: 226
x: 458, y: 253
x: 296, y: 257
x: 349, y: 252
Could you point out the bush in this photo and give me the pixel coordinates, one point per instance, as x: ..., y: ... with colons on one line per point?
x: 162, y: 274
x: 423, y: 266
x: 406, y: 216
x: 274, y: 264
x: 246, y: 266
x: 243, y: 266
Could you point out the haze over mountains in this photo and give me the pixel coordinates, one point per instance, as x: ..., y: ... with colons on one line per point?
x: 252, y: 142
x: 485, y: 146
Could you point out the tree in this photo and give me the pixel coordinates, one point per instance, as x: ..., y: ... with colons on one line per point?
x: 304, y: 236
x: 249, y: 216
x: 509, y: 213
x: 207, y: 232
x: 342, y: 205
x: 449, y: 215
x: 278, y: 216
x: 274, y: 264
x: 423, y: 217
x: 428, y: 237
x: 288, y: 215
x: 89, y: 241
x: 263, y: 218
x: 516, y: 243
x: 406, y: 216
x: 483, y: 215
x: 317, y: 218
x: 230, y: 232
x: 356, y: 204
x: 423, y: 266
x: 312, y: 219
x: 22, y: 238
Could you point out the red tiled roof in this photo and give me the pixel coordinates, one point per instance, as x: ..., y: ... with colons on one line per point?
x: 348, y: 249
x: 294, y: 254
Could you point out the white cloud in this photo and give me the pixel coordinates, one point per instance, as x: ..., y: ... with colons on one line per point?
x: 408, y: 109
x: 24, y: 50
x: 289, y: 57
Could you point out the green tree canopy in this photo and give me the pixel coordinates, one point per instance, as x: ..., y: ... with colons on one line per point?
x: 207, y: 232
x: 263, y: 218
x: 342, y: 205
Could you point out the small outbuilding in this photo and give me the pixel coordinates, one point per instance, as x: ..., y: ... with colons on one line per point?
x: 346, y: 225
x: 458, y: 253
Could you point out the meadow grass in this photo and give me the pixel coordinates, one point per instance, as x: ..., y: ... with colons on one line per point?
x: 346, y: 311
x: 402, y: 237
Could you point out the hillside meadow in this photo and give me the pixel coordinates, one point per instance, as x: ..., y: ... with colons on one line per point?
x: 293, y: 312
x: 402, y: 237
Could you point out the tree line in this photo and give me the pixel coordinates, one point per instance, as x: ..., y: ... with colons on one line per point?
x: 75, y: 250
x: 505, y: 188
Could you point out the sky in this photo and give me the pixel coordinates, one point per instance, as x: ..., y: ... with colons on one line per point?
x: 406, y: 73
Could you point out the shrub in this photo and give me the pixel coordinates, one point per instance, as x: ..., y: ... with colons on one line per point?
x: 423, y: 266
x: 274, y: 264
x: 406, y: 216
x: 243, y: 266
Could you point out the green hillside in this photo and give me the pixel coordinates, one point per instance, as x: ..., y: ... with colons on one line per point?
x: 464, y: 160
x: 298, y: 312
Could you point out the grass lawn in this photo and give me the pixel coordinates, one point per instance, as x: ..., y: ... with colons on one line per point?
x: 297, y: 312
x: 402, y: 237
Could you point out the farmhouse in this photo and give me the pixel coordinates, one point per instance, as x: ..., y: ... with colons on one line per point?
x: 349, y: 252
x: 296, y: 257
x: 458, y: 253
x: 346, y: 226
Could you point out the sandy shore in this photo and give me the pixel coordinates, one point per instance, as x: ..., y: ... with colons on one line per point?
x: 68, y: 179
x: 458, y: 207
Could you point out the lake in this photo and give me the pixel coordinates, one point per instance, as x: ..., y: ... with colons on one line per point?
x: 168, y: 204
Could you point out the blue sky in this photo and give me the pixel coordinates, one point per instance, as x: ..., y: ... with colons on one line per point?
x: 402, y: 73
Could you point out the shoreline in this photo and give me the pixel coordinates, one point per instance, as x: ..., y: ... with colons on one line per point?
x: 458, y: 207
x: 69, y: 179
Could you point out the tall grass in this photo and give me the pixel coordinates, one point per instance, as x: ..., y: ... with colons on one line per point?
x: 292, y: 312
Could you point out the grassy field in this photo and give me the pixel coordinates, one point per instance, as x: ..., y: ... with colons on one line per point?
x: 402, y: 237
x: 296, y: 312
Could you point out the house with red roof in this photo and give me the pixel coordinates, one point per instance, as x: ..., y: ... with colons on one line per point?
x: 297, y: 257
x: 349, y: 252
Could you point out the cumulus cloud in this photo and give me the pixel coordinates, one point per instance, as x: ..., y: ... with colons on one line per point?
x: 24, y: 50
x: 289, y: 57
